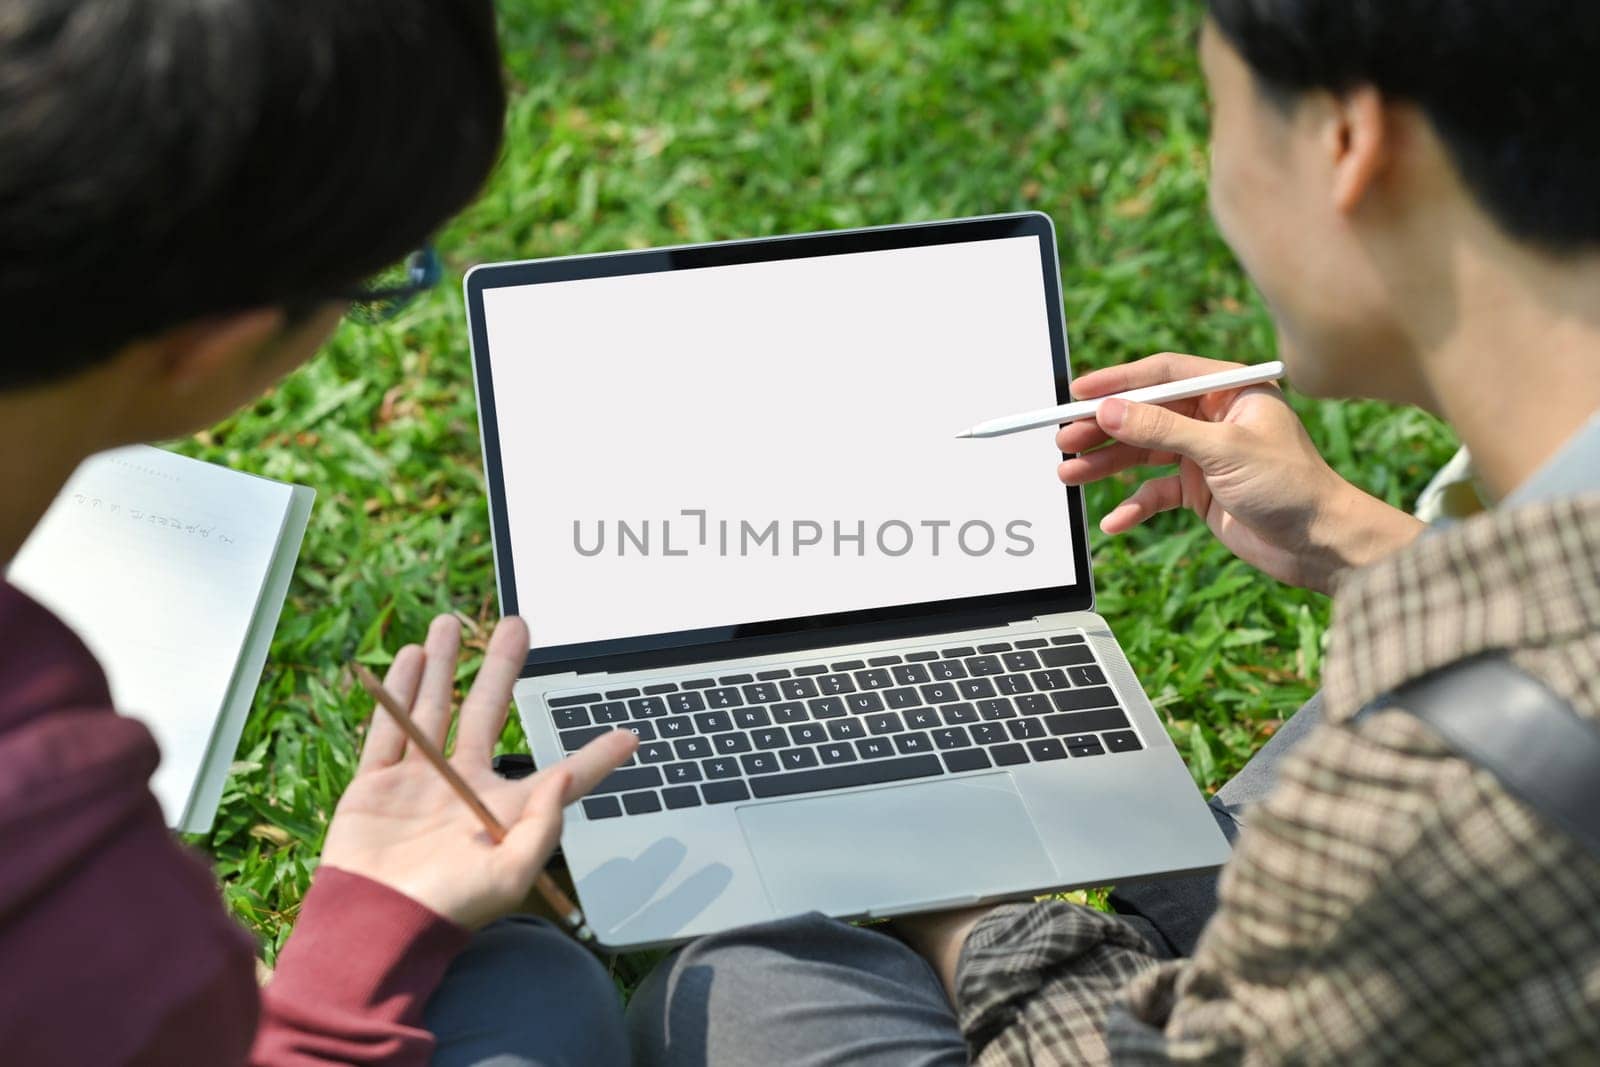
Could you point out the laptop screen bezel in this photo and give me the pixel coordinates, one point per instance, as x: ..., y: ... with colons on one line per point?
x: 778, y: 635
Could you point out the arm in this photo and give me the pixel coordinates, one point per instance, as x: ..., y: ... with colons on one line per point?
x: 1245, y: 465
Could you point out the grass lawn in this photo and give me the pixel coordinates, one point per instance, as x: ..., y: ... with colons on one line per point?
x: 645, y: 123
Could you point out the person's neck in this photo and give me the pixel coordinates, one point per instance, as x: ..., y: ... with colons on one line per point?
x: 1517, y: 371
x: 45, y: 432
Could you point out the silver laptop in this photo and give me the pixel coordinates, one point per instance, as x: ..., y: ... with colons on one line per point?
x: 860, y: 654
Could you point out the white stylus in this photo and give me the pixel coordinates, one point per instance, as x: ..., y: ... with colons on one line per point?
x: 1153, y: 394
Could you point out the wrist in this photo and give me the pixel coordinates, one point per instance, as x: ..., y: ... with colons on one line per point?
x: 1354, y: 530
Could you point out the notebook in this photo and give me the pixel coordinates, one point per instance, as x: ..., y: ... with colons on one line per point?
x: 173, y: 571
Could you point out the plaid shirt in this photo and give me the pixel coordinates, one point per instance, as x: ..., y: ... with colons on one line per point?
x: 1387, y: 901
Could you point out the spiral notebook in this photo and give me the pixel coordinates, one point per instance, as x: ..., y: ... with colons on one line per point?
x: 173, y: 572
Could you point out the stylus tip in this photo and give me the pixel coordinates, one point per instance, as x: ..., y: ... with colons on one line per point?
x: 964, y: 433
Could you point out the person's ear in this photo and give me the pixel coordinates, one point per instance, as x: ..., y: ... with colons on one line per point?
x: 1358, y: 142
x: 194, y: 354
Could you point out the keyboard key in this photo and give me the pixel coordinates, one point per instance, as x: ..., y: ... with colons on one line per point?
x: 644, y: 731
x: 1008, y: 755
x: 951, y: 737
x: 692, y: 748
x: 1066, y: 657
x: 921, y: 657
x: 724, y: 697
x: 686, y: 703
x: 750, y: 718
x: 684, y: 796
x: 1047, y: 749
x: 885, y: 723
x: 1032, y: 642
x: 807, y: 733
x: 798, y: 688
x: 1069, y: 639
x: 1024, y: 729
x: 1021, y: 661
x: 571, y: 699
x: 654, y: 752
x: 849, y: 665
x: 735, y: 679
x: 1000, y: 646
x: 911, y: 674
x: 720, y: 768
x: 957, y: 714
x: 826, y: 707
x: 976, y: 688
x: 983, y: 666
x: 612, y: 711
x: 1084, y: 722
x: 1090, y: 675
x: 812, y: 668
x: 640, y: 803
x: 661, y: 687
x: 836, y: 752
x: 725, y: 792
x: 988, y: 733
x: 939, y: 693
x: 1073, y: 741
x: 713, y: 722
x: 627, y: 779
x: 773, y: 737
x: 680, y: 773
x: 882, y: 661
x: 1034, y: 704
x: 846, y: 729
x: 846, y: 775
x: 700, y: 683
x: 760, y: 693
x: 874, y: 679
x: 947, y: 670
x: 907, y: 744
x: 1096, y: 716
x: 922, y: 719
x: 1086, y: 750
x: 789, y: 713
x: 1013, y: 684
x: 759, y: 763
x: 572, y: 740
x: 960, y: 653
x: 772, y: 675
x: 675, y: 726
x: 729, y: 744
x: 902, y: 698
x: 621, y: 694
x: 973, y: 759
x: 569, y: 718
x: 647, y: 707
x: 1123, y: 741
x: 795, y: 758
x: 861, y: 703
x: 834, y: 684
x: 875, y: 748
x: 1056, y: 679
x: 602, y: 807
x: 999, y: 708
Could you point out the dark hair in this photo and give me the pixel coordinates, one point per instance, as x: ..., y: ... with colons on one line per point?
x: 165, y: 160
x: 1512, y: 86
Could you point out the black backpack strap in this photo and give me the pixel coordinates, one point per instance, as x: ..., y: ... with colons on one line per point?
x: 1495, y: 715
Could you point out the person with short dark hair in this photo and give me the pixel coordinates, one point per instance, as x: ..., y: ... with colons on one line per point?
x: 191, y: 194
x: 1411, y: 185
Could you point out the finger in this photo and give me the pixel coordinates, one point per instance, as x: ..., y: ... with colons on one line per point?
x: 1080, y: 436
x: 1152, y: 370
x: 436, y: 692
x: 483, y: 712
x: 533, y: 835
x: 1162, y: 429
x: 386, y: 742
x: 1151, y: 498
x: 1113, y: 459
x: 585, y: 767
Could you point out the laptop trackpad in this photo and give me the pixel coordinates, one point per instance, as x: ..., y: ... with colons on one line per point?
x: 891, y: 847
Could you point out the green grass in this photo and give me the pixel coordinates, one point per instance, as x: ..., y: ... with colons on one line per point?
x: 650, y: 123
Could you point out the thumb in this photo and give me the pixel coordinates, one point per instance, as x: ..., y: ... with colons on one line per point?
x: 1164, y: 430
x: 532, y: 838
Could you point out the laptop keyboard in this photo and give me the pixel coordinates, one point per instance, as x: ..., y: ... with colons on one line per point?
x: 820, y: 727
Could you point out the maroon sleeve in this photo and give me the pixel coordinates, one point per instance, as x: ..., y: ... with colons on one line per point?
x: 354, y: 977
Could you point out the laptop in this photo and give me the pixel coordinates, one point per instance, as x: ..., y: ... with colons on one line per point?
x: 861, y: 655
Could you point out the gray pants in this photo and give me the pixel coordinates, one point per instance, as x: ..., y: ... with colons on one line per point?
x: 811, y: 991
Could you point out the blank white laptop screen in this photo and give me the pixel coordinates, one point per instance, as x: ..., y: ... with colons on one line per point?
x: 734, y: 444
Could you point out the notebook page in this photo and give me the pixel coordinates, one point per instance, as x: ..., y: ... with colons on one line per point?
x: 157, y: 562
